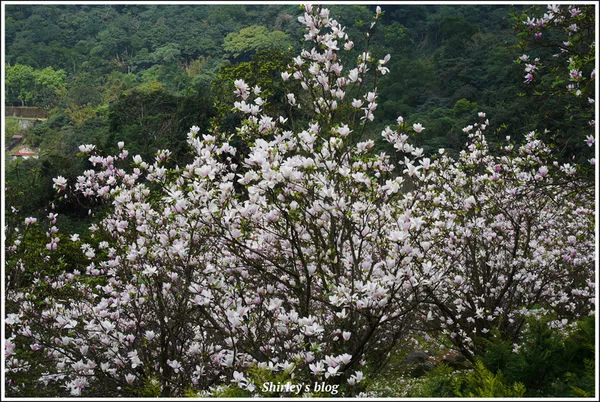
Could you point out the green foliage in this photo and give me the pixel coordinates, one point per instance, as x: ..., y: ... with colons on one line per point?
x: 79, y: 114
x: 150, y: 388
x: 482, y: 383
x: 479, y: 382
x: 149, y: 117
x: 549, y: 362
x: 11, y: 127
x: 231, y: 391
x: 464, y: 106
x: 439, y: 382
x: 82, y: 89
x: 26, y: 85
x: 18, y: 84
x: 50, y: 87
x: 243, y: 44
x: 26, y: 187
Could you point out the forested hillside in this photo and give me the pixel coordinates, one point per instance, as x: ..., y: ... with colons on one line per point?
x: 376, y: 201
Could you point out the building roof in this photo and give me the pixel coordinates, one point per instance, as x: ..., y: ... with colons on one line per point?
x: 25, y: 152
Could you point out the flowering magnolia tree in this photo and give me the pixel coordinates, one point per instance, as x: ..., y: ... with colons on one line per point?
x: 308, y: 257
x: 504, y: 237
x: 190, y: 281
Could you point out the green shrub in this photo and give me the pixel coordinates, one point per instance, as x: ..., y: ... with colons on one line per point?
x: 549, y: 361
x: 482, y: 383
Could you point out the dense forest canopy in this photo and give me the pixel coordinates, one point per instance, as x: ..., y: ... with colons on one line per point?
x: 457, y: 229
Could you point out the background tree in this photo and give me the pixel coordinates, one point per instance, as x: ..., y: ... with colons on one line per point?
x: 19, y: 81
x: 243, y: 44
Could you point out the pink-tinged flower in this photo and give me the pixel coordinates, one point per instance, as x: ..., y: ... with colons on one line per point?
x: 418, y: 127
x: 238, y: 377
x: 317, y: 368
x: 469, y: 202
x: 53, y: 244
x: 412, y: 170
x: 349, y: 45
x: 346, y: 335
x: 355, y: 378
x: 575, y: 74
x: 60, y: 183
x: 86, y: 148
x: 530, y: 22
x: 357, y: 103
x: 529, y: 78
x: 175, y: 365
x: 9, y: 348
x: 590, y: 140
x: 537, y: 35
x: 30, y: 221
x: 313, y: 329
x: 130, y: 378
x: 241, y: 89
x: 524, y: 57
x: 343, y: 130
x: 368, y: 115
x: 291, y: 99
x: 574, y: 12
x: 345, y: 358
x: 529, y: 68
x: 363, y: 146
x: 332, y: 371
x: 383, y: 70
x: 592, y: 161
